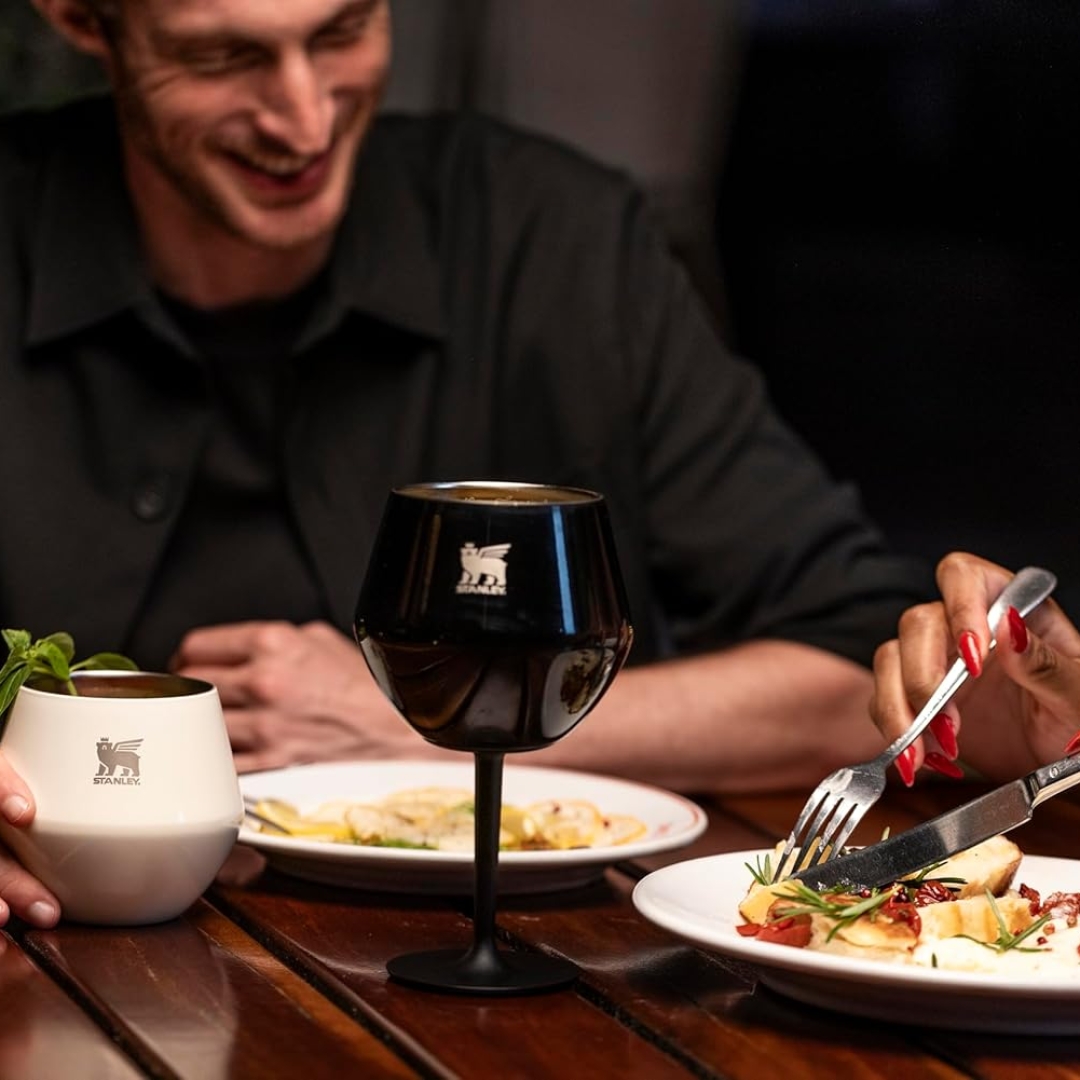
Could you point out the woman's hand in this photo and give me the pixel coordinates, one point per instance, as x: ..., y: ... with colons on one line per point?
x: 20, y: 892
x: 1020, y: 710
x: 295, y: 694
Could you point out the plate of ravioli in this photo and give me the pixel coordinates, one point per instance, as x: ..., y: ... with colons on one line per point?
x: 564, y: 827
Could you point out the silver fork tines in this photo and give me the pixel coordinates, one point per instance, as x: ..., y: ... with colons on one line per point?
x: 841, y: 800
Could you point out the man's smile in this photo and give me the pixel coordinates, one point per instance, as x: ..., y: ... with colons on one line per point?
x: 286, y: 175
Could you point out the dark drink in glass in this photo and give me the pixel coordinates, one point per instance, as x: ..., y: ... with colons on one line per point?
x: 493, y: 615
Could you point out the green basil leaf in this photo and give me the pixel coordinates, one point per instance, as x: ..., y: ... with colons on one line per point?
x: 106, y: 661
x: 13, y: 661
x: 50, y: 656
x: 53, y: 657
x: 16, y: 639
x: 10, y: 670
x: 11, y: 685
x: 63, y: 641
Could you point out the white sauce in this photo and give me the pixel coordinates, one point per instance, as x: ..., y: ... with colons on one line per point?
x: 1058, y: 955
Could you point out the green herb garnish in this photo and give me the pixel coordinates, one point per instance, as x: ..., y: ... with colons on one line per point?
x: 50, y: 656
x: 842, y: 908
x: 1006, y: 939
x: 923, y: 876
x: 761, y: 871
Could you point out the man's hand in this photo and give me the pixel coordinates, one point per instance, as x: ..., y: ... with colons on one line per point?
x: 296, y: 693
x: 21, y: 893
x: 1022, y: 708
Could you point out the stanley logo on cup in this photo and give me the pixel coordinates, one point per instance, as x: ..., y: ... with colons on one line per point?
x: 118, y: 762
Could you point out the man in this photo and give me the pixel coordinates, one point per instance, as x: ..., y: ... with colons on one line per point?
x: 246, y: 309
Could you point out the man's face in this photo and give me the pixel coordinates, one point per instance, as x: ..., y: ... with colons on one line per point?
x: 249, y: 112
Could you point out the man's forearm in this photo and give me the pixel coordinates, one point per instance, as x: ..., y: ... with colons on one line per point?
x: 761, y: 716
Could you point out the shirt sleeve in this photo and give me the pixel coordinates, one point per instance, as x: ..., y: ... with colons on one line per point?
x: 746, y: 534
x: 580, y: 336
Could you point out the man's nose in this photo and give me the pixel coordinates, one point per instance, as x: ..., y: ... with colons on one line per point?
x: 296, y: 109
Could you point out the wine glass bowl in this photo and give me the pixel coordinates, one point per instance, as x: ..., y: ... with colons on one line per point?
x: 493, y: 616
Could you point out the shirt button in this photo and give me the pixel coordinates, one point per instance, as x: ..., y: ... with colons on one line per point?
x: 150, y: 501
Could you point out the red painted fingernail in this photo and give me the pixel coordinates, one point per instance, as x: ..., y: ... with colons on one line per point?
x: 1017, y: 631
x: 941, y: 764
x: 941, y: 727
x: 1074, y: 744
x: 905, y: 766
x: 969, y: 650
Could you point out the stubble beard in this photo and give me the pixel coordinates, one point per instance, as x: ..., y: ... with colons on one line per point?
x: 267, y: 228
x: 206, y: 199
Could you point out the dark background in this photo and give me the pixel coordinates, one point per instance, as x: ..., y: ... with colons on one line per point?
x: 877, y: 199
x: 897, y: 226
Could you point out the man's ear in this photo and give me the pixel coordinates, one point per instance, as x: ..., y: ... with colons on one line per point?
x: 78, y: 23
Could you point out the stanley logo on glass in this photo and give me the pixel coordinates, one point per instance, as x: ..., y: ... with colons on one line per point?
x: 483, y: 570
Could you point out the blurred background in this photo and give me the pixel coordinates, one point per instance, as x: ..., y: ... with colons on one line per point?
x: 877, y: 200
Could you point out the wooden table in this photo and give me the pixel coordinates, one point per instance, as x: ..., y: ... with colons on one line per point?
x: 278, y: 978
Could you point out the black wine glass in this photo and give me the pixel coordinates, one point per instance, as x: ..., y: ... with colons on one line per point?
x: 493, y: 616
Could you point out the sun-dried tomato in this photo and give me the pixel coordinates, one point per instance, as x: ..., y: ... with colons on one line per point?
x: 788, y: 930
x: 931, y: 892
x: 897, y: 909
x: 1032, y: 897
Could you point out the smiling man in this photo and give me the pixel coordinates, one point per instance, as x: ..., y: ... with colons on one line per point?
x: 237, y: 306
x: 240, y: 125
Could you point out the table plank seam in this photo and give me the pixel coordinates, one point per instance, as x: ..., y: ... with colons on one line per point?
x: 114, y: 1028
x: 317, y: 975
x: 598, y: 999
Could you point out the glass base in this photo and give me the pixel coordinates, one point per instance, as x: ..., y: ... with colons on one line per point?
x: 457, y: 972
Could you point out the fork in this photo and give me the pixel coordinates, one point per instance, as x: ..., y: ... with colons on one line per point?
x: 839, y: 802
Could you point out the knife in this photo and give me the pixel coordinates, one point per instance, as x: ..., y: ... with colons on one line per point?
x: 996, y: 812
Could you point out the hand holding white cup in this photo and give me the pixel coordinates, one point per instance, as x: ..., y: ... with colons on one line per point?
x: 138, y: 803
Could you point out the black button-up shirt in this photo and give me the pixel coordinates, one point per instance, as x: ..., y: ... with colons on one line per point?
x: 495, y: 307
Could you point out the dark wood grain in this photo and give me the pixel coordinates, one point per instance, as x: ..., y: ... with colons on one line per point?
x: 702, y: 1009
x: 271, y: 976
x: 342, y: 941
x: 198, y: 997
x: 43, y: 1033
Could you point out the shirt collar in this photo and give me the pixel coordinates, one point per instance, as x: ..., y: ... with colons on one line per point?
x: 87, y: 264
x: 384, y: 262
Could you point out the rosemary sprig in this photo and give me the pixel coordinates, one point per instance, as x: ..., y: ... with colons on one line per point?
x: 924, y: 876
x: 1006, y: 939
x: 761, y: 871
x: 842, y: 908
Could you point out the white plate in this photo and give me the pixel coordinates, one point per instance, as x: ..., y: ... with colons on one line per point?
x: 671, y: 820
x: 699, y: 899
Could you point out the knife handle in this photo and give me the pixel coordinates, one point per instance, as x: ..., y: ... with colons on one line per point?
x: 1053, y: 779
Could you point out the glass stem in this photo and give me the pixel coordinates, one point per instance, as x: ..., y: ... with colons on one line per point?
x: 489, y: 772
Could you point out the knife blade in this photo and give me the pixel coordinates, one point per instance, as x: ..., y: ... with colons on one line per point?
x: 933, y: 841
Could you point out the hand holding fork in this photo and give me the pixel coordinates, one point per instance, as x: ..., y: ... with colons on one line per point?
x: 841, y: 800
